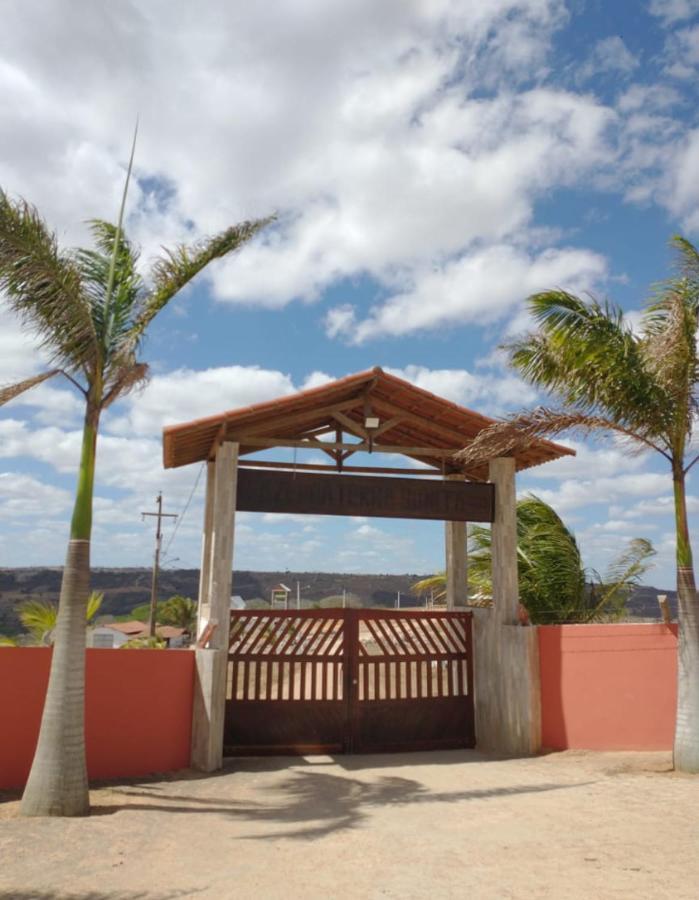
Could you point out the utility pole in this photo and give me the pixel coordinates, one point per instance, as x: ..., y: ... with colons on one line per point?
x: 159, y: 516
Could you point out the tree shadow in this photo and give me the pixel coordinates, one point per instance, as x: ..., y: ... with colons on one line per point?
x: 318, y: 803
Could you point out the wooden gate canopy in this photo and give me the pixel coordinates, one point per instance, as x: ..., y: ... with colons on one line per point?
x: 362, y: 495
x: 380, y: 413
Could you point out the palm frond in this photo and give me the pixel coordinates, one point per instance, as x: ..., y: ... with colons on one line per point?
x: 523, y: 429
x: 179, y: 266
x: 609, y: 594
x: 550, y: 571
x: 94, y: 602
x: 687, y: 258
x: 43, y: 286
x: 10, y: 391
x: 587, y: 356
x: 123, y: 380
x: 113, y: 309
x: 39, y: 618
x: 436, y: 583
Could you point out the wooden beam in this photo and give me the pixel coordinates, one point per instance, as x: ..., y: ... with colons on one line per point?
x: 387, y: 426
x: 357, y: 495
x: 320, y: 467
x: 249, y: 440
x: 351, y: 425
x: 299, y: 418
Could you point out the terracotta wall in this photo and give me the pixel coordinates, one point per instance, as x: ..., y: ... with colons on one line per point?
x: 138, y: 710
x: 608, y: 687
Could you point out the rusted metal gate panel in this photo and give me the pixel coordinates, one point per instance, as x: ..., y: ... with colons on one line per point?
x: 349, y: 680
x: 414, y: 676
x: 287, y: 689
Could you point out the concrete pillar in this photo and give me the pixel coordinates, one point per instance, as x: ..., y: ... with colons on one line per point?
x: 221, y: 577
x: 506, y: 654
x: 504, y: 541
x: 204, y: 605
x: 209, y: 709
x: 455, y: 553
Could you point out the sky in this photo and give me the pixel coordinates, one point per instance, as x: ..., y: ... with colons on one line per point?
x: 431, y: 163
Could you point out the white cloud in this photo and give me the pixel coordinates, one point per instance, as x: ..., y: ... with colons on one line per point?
x: 648, y: 98
x: 579, y: 493
x: 481, y: 287
x: 23, y: 496
x: 186, y: 394
x: 673, y: 11
x: 682, y: 182
x: 589, y: 461
x: 491, y: 394
x: 609, y: 54
x: 682, y: 53
x: 226, y: 142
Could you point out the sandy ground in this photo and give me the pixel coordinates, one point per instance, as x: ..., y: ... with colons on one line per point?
x: 451, y: 824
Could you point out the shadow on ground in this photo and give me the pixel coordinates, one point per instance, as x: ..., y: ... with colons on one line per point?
x: 312, y: 803
x: 96, y: 895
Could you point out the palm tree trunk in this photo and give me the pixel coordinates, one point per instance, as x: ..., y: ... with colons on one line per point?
x: 57, y: 784
x: 686, y: 749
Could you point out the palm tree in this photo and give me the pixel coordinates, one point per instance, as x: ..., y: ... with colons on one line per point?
x: 554, y: 587
x: 178, y: 611
x: 39, y: 616
x: 640, y: 386
x: 91, y: 308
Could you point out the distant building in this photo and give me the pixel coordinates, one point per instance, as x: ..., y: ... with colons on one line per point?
x: 116, y: 634
x: 279, y: 598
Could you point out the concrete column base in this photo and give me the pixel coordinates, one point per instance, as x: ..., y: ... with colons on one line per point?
x: 507, y: 683
x: 209, y: 707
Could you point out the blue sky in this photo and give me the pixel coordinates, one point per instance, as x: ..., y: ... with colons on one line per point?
x: 431, y: 163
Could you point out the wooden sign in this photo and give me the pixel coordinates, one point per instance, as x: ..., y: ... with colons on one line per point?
x: 357, y: 495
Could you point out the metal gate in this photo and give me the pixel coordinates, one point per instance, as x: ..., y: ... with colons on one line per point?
x: 349, y: 680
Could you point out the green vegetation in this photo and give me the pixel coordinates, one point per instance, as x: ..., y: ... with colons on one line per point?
x: 351, y: 601
x: 177, y: 610
x: 638, y: 384
x: 39, y: 617
x: 144, y: 643
x: 91, y: 308
x: 554, y: 586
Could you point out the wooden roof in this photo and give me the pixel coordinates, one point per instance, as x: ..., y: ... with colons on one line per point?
x: 413, y: 422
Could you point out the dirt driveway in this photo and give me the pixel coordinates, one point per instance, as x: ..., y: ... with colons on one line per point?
x: 433, y: 825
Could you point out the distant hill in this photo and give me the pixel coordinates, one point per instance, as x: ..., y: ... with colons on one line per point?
x: 126, y: 588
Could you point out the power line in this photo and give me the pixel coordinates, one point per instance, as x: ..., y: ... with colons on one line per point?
x: 184, y: 511
x: 159, y: 515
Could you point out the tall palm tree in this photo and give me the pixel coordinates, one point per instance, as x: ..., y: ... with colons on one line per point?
x: 554, y: 586
x: 91, y: 308
x: 639, y: 385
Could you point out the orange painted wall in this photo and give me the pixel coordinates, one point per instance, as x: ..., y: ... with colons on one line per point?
x: 138, y: 710
x: 608, y: 687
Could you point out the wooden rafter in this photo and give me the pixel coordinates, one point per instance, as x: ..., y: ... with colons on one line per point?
x: 254, y: 441
x: 350, y: 425
x: 322, y: 467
